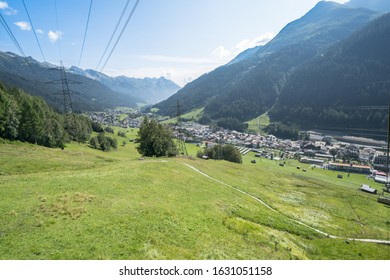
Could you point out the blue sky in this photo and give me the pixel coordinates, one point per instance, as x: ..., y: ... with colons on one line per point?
x: 178, y: 39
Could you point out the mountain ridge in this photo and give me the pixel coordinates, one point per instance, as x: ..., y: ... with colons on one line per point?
x: 152, y: 90
x: 247, y: 88
x: 34, y: 77
x: 329, y: 90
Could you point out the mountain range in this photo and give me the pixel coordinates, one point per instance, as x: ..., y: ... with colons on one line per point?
x: 260, y: 79
x: 152, y: 90
x: 94, y: 93
x: 250, y: 84
x: 328, y: 69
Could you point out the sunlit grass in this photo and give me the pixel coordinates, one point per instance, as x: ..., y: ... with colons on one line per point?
x: 194, y: 115
x: 259, y: 123
x: 81, y: 203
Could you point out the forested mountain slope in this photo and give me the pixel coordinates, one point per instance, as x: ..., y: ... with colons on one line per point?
x: 32, y: 76
x: 331, y: 90
x: 249, y: 85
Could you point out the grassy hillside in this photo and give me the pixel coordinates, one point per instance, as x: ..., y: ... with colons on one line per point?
x: 259, y: 123
x: 194, y: 115
x: 81, y: 203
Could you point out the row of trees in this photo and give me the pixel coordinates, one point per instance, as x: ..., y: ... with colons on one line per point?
x: 27, y: 118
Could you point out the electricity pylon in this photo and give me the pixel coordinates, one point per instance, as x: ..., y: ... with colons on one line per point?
x: 69, y: 118
x: 65, y: 92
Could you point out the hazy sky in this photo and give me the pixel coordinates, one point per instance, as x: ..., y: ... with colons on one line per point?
x: 178, y: 39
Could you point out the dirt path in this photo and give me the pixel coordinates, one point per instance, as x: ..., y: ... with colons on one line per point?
x: 377, y: 241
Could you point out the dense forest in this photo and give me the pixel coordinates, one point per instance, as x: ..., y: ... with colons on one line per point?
x: 29, y: 119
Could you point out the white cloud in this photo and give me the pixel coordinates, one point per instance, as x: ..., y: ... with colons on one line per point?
x: 264, y: 39
x: 40, y: 31
x: 25, y: 26
x: 7, y: 9
x: 258, y: 41
x: 221, y: 52
x: 3, y: 5
x: 54, y: 36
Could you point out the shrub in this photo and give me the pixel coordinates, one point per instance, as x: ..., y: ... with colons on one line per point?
x: 219, y: 152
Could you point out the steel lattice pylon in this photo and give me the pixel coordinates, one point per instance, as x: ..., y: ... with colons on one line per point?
x: 65, y: 92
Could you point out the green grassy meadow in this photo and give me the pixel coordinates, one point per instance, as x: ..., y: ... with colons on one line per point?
x: 194, y: 115
x: 81, y: 203
x: 259, y: 123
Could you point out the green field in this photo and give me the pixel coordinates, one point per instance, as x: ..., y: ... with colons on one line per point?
x: 81, y: 203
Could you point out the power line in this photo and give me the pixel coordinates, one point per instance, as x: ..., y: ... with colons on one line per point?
x: 112, y: 36
x: 86, y: 30
x: 58, y: 29
x: 113, y: 33
x: 370, y: 83
x: 120, y: 35
x: 352, y: 129
x: 9, y: 31
x: 33, y: 28
x: 367, y: 108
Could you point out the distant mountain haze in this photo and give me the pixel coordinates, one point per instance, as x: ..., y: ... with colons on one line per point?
x: 152, y: 90
x: 92, y: 94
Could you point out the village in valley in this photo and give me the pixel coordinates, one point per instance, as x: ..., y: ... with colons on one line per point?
x: 345, y: 154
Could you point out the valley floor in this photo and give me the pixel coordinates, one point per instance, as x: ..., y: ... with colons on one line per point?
x: 81, y: 203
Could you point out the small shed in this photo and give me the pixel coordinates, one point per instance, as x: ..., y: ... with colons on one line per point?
x: 368, y: 189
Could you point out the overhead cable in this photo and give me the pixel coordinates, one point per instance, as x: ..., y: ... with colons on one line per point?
x: 33, y: 28
x: 120, y: 35
x: 113, y: 33
x: 86, y: 31
x: 9, y: 31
